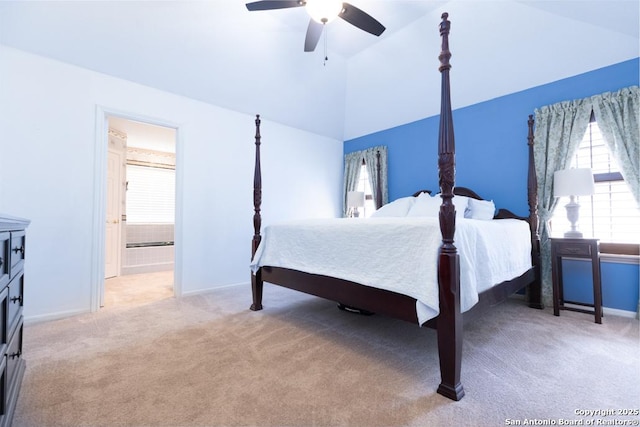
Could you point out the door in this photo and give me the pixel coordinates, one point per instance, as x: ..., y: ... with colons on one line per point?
x: 113, y: 234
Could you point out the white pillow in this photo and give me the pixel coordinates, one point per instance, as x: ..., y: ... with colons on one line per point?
x: 481, y: 209
x: 425, y: 205
x: 460, y: 202
x: 462, y: 205
x: 399, y: 207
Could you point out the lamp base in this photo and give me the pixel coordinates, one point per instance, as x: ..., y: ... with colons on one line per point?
x: 573, y: 210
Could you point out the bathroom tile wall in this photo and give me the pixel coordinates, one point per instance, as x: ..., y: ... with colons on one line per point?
x: 151, y: 258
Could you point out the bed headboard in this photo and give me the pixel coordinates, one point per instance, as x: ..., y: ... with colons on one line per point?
x: 457, y: 191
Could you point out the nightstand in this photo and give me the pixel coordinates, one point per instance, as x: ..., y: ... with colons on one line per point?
x: 576, y: 248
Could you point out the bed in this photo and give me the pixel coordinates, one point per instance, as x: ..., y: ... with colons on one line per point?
x: 448, y: 303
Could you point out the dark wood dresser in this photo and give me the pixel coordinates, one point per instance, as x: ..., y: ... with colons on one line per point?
x: 12, y: 364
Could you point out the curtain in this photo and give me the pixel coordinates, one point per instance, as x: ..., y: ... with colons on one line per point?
x: 371, y: 162
x: 353, y: 163
x: 559, y: 129
x: 618, y: 115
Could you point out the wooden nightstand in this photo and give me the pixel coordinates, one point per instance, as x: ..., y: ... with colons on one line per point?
x: 576, y: 248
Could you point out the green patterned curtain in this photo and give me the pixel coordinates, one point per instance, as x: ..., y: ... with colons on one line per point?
x: 352, y: 164
x: 618, y: 115
x: 371, y: 162
x: 559, y: 129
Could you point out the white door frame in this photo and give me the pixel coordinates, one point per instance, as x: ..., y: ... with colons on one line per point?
x: 99, y: 201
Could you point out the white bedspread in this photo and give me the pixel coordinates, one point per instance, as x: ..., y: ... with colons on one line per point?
x: 400, y: 254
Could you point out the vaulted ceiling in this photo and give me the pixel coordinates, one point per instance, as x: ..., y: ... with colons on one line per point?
x: 217, y: 52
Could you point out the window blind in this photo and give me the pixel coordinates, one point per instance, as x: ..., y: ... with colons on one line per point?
x: 365, y: 187
x: 150, y: 195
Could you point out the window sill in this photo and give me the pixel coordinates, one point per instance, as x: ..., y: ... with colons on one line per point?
x: 620, y: 258
x: 611, y: 258
x: 619, y: 249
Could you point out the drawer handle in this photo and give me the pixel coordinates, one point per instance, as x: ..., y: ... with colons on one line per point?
x: 17, y: 299
x: 573, y: 250
x: 19, y: 249
x: 17, y: 354
x: 1, y: 261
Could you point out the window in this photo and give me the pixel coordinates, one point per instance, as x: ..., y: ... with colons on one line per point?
x: 150, y: 195
x: 611, y: 214
x: 365, y: 186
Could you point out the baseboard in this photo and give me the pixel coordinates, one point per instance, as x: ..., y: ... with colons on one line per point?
x: 28, y: 320
x: 209, y: 290
x: 621, y: 313
x: 609, y: 311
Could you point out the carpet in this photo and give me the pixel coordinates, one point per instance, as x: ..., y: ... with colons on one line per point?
x: 207, y: 360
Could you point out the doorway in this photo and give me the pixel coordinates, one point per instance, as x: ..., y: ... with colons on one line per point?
x: 140, y: 213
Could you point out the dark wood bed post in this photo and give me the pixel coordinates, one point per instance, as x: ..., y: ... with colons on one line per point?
x: 379, y: 178
x: 256, y: 279
x: 535, y: 289
x: 449, y: 323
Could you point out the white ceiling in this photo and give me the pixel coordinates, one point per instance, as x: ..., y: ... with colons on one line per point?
x: 253, y: 62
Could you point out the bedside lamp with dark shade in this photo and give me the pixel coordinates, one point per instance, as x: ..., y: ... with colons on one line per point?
x: 572, y: 183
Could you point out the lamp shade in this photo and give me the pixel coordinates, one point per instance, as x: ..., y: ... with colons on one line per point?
x: 355, y: 199
x: 573, y: 182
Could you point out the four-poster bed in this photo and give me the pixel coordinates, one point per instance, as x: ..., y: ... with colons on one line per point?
x: 449, y: 317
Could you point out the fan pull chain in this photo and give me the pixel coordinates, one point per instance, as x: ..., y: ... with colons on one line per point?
x: 326, y: 58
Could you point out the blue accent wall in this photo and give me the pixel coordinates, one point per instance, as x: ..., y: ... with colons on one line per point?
x: 619, y: 283
x: 492, y: 156
x: 491, y: 138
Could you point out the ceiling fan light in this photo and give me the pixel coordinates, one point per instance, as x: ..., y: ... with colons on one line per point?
x: 323, y: 11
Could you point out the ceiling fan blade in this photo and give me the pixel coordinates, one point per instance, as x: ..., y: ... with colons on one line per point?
x: 314, y: 31
x: 361, y: 19
x: 274, y: 4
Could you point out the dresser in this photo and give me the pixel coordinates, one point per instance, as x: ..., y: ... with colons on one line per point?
x: 12, y: 364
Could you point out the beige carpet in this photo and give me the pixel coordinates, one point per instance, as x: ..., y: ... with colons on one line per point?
x: 209, y: 361
x: 138, y: 289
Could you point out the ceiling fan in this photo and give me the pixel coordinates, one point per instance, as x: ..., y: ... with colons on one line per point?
x: 323, y: 12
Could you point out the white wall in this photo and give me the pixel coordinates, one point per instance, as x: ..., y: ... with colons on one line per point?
x: 223, y: 54
x: 48, y: 122
x: 498, y: 48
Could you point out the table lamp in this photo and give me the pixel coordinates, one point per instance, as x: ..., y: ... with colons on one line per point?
x: 355, y: 199
x: 572, y: 183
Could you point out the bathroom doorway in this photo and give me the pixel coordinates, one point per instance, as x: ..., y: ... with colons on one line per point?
x: 140, y: 213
